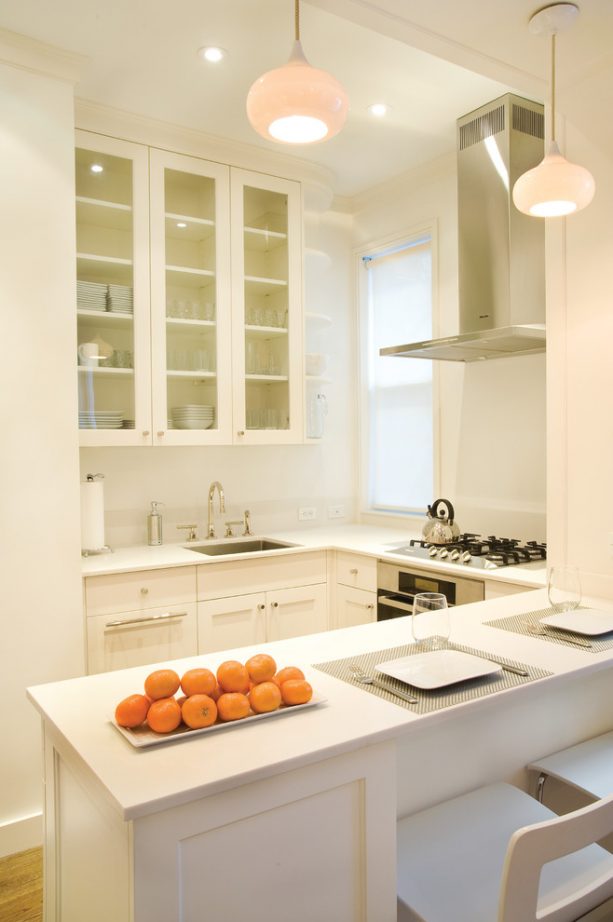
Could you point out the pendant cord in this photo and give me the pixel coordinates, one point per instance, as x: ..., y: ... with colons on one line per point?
x: 297, y: 20
x: 553, y: 86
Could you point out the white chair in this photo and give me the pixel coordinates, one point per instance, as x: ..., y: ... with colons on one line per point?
x: 479, y: 858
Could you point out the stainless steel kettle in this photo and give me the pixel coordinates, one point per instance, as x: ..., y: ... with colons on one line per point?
x: 440, y: 527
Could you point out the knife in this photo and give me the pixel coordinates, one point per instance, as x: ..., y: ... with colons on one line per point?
x: 394, y: 691
x: 506, y: 666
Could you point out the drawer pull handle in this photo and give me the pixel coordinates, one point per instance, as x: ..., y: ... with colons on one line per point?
x: 354, y: 571
x: 144, y: 590
x: 165, y: 617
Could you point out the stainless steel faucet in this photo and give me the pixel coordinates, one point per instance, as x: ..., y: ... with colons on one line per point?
x: 210, y: 529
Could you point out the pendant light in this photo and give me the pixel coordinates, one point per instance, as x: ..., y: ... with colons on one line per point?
x: 556, y: 186
x: 297, y: 103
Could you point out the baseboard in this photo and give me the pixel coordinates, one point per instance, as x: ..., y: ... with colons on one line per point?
x: 18, y: 835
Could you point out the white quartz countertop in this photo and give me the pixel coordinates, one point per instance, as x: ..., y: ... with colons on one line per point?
x: 362, y: 539
x: 140, y: 782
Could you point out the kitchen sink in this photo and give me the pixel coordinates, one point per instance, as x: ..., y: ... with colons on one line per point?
x: 257, y: 545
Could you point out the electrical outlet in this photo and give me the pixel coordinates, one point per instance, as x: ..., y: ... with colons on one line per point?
x: 336, y: 512
x: 307, y: 513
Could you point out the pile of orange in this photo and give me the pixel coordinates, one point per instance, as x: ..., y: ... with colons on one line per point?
x: 236, y: 691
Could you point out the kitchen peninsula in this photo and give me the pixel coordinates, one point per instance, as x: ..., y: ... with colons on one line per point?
x: 292, y: 817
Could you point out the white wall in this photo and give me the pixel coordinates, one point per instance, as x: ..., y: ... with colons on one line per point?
x: 492, y: 414
x: 272, y: 482
x: 39, y: 509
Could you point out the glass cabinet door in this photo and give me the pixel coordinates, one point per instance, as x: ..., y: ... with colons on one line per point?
x: 191, y: 350
x: 267, y: 308
x: 113, y: 353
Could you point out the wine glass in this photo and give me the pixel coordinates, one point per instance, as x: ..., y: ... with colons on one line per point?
x: 430, y: 621
x: 564, y: 588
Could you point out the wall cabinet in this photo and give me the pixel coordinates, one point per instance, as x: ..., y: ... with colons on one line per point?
x: 188, y: 300
x: 356, y: 589
x: 261, y: 617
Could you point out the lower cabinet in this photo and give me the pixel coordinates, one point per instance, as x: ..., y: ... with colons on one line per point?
x: 135, y: 638
x: 258, y: 617
x: 495, y: 589
x: 355, y: 606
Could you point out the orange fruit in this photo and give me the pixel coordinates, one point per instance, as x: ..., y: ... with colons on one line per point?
x: 261, y: 667
x: 162, y: 683
x: 296, y: 691
x: 265, y: 696
x: 232, y: 706
x: 131, y: 712
x: 198, y: 682
x: 199, y: 711
x: 233, y: 676
x: 216, y: 692
x: 289, y: 672
x: 164, y: 715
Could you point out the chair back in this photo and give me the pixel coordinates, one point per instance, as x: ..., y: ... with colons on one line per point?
x: 533, y: 846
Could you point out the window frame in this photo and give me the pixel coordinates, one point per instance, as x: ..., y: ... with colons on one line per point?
x: 363, y: 423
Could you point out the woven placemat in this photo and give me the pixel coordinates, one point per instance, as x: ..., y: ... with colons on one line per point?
x: 431, y: 700
x: 522, y: 624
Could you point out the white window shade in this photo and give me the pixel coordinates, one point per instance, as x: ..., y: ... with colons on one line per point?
x: 400, y: 463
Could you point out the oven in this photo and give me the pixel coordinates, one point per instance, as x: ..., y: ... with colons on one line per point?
x: 397, y: 585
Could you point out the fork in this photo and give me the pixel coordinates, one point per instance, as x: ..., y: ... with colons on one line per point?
x: 542, y: 631
x: 363, y: 677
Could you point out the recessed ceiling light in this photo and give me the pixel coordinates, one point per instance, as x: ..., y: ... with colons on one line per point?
x: 181, y: 224
x: 379, y: 109
x: 96, y: 168
x: 212, y: 53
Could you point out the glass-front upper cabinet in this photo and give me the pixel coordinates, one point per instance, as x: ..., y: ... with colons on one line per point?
x: 190, y: 300
x: 267, y: 308
x: 113, y: 347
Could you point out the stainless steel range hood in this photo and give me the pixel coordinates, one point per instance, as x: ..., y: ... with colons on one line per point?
x: 501, y: 250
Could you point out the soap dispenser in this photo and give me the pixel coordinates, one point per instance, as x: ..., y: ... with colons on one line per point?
x: 154, y: 525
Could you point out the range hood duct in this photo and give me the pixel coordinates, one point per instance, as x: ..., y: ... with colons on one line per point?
x: 501, y: 250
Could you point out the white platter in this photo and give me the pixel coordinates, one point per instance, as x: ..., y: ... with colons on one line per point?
x: 438, y: 668
x: 588, y: 621
x: 142, y: 737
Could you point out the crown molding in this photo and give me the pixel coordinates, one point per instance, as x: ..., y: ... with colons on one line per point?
x: 91, y: 116
x: 442, y: 167
x: 29, y: 54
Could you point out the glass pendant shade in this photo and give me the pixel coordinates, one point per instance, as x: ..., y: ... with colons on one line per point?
x: 554, y: 188
x: 297, y: 103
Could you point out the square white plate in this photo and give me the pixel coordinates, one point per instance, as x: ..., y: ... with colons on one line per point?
x: 438, y: 668
x: 588, y: 621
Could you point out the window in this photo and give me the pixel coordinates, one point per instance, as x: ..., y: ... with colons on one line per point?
x: 397, y: 419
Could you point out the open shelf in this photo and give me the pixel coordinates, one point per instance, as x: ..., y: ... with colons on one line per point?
x: 265, y: 332
x: 257, y: 238
x: 103, y: 214
x: 197, y: 228
x: 110, y: 319
x: 178, y: 323
x: 104, y: 268
x: 266, y: 379
x: 171, y: 373
x: 104, y: 370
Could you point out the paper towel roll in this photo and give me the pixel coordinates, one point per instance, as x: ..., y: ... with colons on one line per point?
x: 92, y: 515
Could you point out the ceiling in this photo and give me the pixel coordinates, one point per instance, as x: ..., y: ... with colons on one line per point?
x: 426, y: 61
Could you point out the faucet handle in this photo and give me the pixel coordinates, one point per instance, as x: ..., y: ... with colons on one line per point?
x: 192, y: 536
x: 229, y: 533
x: 247, y: 523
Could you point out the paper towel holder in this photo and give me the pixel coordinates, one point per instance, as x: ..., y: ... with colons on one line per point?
x: 105, y: 549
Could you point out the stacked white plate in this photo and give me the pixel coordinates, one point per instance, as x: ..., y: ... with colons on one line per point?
x: 91, y: 296
x: 193, y: 416
x: 121, y: 299
x: 100, y: 419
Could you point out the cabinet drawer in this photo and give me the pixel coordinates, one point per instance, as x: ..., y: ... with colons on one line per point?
x: 357, y: 571
x: 217, y: 580
x: 130, y: 638
x: 355, y: 606
x: 139, y: 591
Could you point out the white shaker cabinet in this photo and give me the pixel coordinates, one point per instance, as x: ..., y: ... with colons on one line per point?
x: 189, y: 287
x: 356, y: 589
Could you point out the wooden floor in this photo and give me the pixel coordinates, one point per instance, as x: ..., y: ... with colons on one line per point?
x: 21, y: 887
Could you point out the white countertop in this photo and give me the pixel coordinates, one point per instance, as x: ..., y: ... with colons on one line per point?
x: 139, y: 782
x: 362, y: 539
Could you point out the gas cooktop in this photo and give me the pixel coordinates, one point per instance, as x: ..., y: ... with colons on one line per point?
x: 476, y: 551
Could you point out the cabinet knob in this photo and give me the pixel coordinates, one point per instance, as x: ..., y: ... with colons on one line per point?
x: 146, y: 432
x: 275, y: 604
x: 144, y: 590
x: 160, y: 433
x: 241, y: 432
x: 261, y: 606
x: 354, y: 571
x: 370, y: 606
